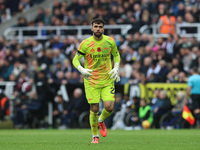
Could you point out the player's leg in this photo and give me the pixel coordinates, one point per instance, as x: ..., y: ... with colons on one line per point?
x: 93, y: 98
x: 108, y: 98
x: 196, y: 108
x: 94, y: 111
x: 107, y: 111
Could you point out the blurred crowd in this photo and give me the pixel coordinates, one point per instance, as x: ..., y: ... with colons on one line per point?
x: 9, y: 8
x: 135, y: 12
x: 39, y: 67
x: 136, y: 113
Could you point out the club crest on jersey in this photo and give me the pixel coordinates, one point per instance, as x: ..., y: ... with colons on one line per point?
x: 98, y: 49
x: 92, y: 50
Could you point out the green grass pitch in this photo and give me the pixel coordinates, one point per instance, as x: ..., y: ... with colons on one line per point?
x: 80, y: 139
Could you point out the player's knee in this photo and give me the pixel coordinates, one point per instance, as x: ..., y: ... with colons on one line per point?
x: 94, y: 108
x: 109, y: 108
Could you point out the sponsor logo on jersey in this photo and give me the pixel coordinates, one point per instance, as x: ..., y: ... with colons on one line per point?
x: 99, y: 56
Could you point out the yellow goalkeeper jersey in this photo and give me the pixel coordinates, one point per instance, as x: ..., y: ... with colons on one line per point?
x: 97, y: 55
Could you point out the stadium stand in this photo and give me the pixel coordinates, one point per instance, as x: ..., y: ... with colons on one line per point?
x: 43, y: 47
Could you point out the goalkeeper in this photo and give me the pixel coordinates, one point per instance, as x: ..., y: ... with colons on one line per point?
x: 99, y: 76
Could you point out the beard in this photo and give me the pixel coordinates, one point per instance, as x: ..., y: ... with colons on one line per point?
x: 98, y: 35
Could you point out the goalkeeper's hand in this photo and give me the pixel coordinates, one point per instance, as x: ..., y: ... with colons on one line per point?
x: 115, y: 73
x: 85, y: 72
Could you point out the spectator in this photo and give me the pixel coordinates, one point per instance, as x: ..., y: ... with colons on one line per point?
x: 125, y: 67
x: 60, y: 78
x: 145, y: 113
x: 144, y: 40
x: 75, y: 77
x: 145, y: 18
x: 33, y: 109
x: 75, y: 107
x: 59, y: 109
x: 43, y: 89
x: 6, y: 69
x: 4, y: 106
x: 17, y: 68
x: 170, y: 45
x: 69, y: 46
x: 23, y: 84
x: 163, y: 71
x: 195, y: 52
x: 57, y: 43
x: 137, y: 11
x: 67, y: 67
x: 181, y: 10
x: 135, y: 77
x: 189, y: 18
x: 195, y: 12
x: 182, y: 77
x: 19, y: 120
x: 166, y: 23
x: 177, y: 44
x: 48, y: 16
x: 194, y: 42
x: 161, y: 9
x: 58, y: 58
x: 172, y: 76
x: 40, y: 16
x: 12, y: 77
x: 147, y: 65
x: 24, y: 5
x: 178, y: 107
x: 181, y: 21
x: 134, y: 23
x: 155, y: 98
x: 162, y: 106
x: 153, y: 69
x: 174, y: 118
x: 176, y: 63
x: 36, y: 46
x: 188, y: 57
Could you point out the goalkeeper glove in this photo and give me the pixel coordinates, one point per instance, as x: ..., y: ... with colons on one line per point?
x: 85, y: 72
x: 115, y: 73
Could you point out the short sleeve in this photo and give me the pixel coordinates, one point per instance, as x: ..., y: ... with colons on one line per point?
x: 190, y: 82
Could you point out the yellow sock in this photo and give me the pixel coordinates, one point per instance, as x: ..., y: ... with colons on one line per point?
x: 105, y: 114
x: 94, y: 122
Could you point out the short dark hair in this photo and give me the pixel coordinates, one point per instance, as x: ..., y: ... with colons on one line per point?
x: 98, y: 21
x: 194, y: 69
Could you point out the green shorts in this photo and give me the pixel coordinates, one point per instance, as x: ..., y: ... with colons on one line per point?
x: 94, y: 95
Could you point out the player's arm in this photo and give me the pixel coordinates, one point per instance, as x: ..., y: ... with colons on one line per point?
x: 188, y: 90
x: 76, y: 62
x: 116, y: 57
